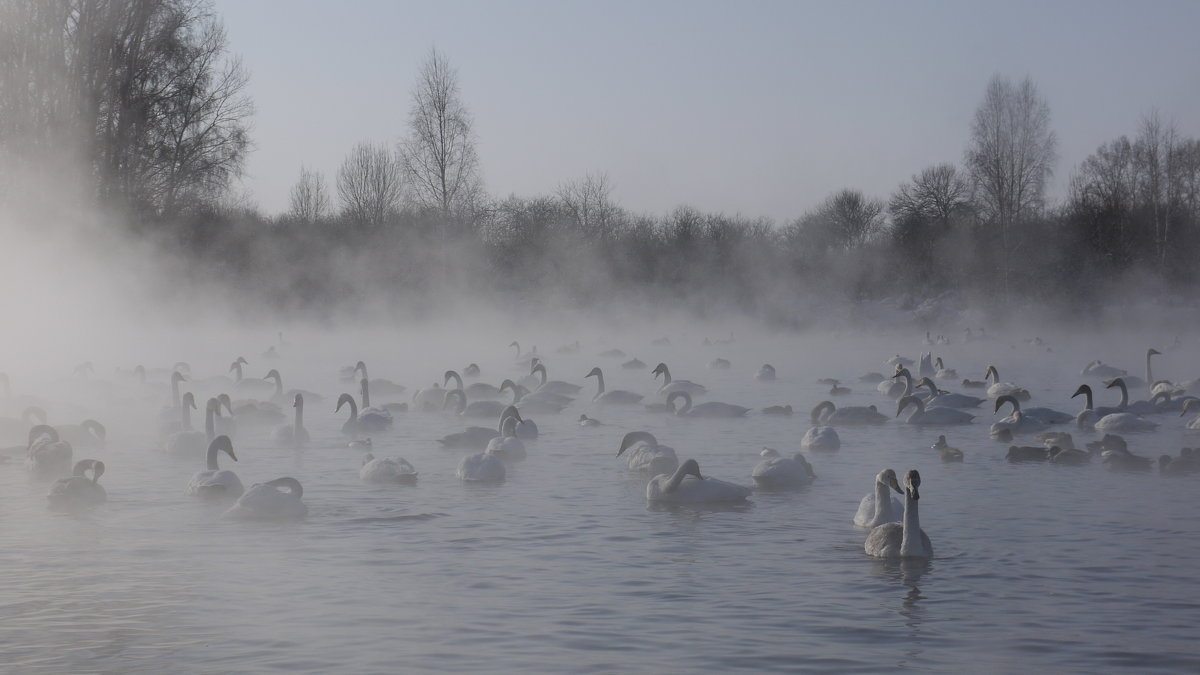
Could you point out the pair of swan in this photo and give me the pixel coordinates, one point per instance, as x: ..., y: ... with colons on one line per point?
x: 78, y: 491
x: 905, y: 539
x: 216, y: 483
x: 777, y: 472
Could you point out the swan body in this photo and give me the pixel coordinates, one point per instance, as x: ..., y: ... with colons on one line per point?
x: 474, y: 408
x: 387, y: 470
x: 365, y: 424
x: 278, y: 499
x: 1101, y: 370
x: 880, y: 507
x: 481, y: 468
x: 1137, y: 407
x: 192, y: 443
x: 670, y: 386
x: 476, y: 390
x: 614, y: 397
x: 778, y: 473
x: 688, y: 486
x: 942, y: 373
x: 216, y: 483
x: 646, y: 455
x: 88, y: 434
x: 78, y: 491
x: 906, y: 539
x: 710, y: 409
x: 820, y: 438
x: 932, y: 416
x: 1124, y: 421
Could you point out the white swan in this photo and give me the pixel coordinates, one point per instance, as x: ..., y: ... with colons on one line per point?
x: 778, y: 473
x: 1124, y: 421
x: 646, y: 455
x: 1137, y: 407
x: 507, y: 446
x: 1016, y: 422
x: 357, y: 424
x: 709, y: 409
x: 1044, y: 415
x: 906, y: 540
x: 277, y: 499
x: 670, y: 386
x: 688, y: 486
x: 614, y: 397
x: 932, y: 416
x: 481, y: 468
x: 475, y: 390
x: 216, y: 483
x: 1088, y: 416
x: 191, y: 443
x: 526, y: 429
x: 880, y: 507
x: 458, y: 398
x: 1101, y: 370
x: 293, y: 435
x: 851, y: 415
x: 820, y: 437
x: 78, y: 491
x: 46, y: 454
x: 941, y: 372
x: 944, y: 399
x: 387, y: 470
x: 998, y: 388
x: 553, y: 386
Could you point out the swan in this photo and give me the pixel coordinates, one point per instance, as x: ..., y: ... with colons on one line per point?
x: 248, y: 386
x: 925, y: 368
x: 1101, y: 370
x: 1089, y: 415
x: 893, y: 387
x: 709, y: 409
x: 848, y: 415
x: 476, y: 389
x: 785, y: 410
x: 527, y: 358
x: 293, y: 435
x: 1017, y: 422
x: 687, y: 486
x: 646, y: 455
x: 189, y: 443
x: 670, y: 386
x: 87, y: 434
x: 941, y: 372
x: 429, y: 399
x: 46, y: 454
x: 277, y: 499
x: 473, y: 438
x: 507, y: 446
x: 525, y: 429
x: 484, y: 467
x: 387, y: 470
x: 932, y: 416
x: 907, y: 540
x: 766, y: 373
x: 777, y: 472
x: 1124, y: 421
x: 998, y: 388
x: 537, y: 401
x: 369, y: 412
x: 614, y: 397
x: 941, y: 399
x: 1044, y: 415
x: 382, y: 386
x: 280, y: 396
x: 182, y: 414
x: 357, y: 424
x: 78, y: 491
x: 474, y: 408
x: 553, y: 386
x: 819, y: 437
x: 226, y: 426
x: 1188, y: 406
x: 948, y: 454
x: 880, y: 507
x: 216, y: 483
x: 1137, y: 407
x: 837, y: 390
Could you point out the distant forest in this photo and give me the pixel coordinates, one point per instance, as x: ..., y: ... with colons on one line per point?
x: 141, y: 103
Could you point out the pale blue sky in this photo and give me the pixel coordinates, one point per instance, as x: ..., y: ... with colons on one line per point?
x: 759, y: 108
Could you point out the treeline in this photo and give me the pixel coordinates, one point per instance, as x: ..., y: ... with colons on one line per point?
x: 143, y: 95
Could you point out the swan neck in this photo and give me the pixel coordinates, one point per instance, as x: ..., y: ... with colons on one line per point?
x: 209, y: 423
x: 299, y: 416
x: 600, y: 382
x: 185, y: 416
x: 213, y: 451
x: 883, y: 504
x: 366, y: 393
x: 456, y: 377
x: 676, y: 479
x: 910, y: 542
x: 278, y: 385
x: 1124, y: 395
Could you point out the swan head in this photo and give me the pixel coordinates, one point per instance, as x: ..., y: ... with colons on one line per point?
x: 991, y: 372
x: 95, y: 428
x: 660, y: 369
x: 177, y: 377
x: 1152, y: 352
x: 912, y: 481
x: 273, y: 373
x: 188, y: 400
x: 594, y: 372
x: 823, y: 406
x: 1115, y: 382
x: 226, y: 401
x: 299, y: 402
x: 361, y: 365
x: 449, y: 375
x: 222, y: 444
x: 537, y: 366
x: 690, y: 467
x: 636, y: 437
x: 40, y: 430
x: 1083, y: 390
x: 84, y: 465
x: 1001, y: 400
x: 888, y: 477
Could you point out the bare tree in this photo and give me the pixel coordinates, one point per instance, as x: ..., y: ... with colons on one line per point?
x: 370, y: 183
x: 1157, y: 158
x: 309, y: 201
x: 439, y: 153
x: 1011, y: 157
x: 589, y: 201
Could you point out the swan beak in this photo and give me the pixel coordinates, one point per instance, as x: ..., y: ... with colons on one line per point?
x: 232, y: 456
x: 895, y: 485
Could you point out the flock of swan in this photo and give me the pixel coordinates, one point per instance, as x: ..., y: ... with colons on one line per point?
x: 239, y: 405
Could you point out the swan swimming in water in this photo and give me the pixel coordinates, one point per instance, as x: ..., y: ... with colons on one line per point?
x: 880, y: 507
x: 778, y: 473
x: 88, y: 434
x: 941, y: 399
x: 553, y: 386
x: 709, y: 409
x: 507, y: 446
x: 647, y: 455
x: 277, y: 499
x: 1017, y: 422
x: 46, y: 455
x: 481, y: 468
x: 688, y: 486
x: 357, y: 424
x: 216, y: 483
x: 820, y: 437
x: 902, y: 540
x: 78, y: 491
x: 932, y: 416
x: 387, y: 470
x: 998, y: 388
x: 851, y: 415
x: 293, y: 435
x: 614, y: 397
x: 670, y: 386
x: 1137, y: 407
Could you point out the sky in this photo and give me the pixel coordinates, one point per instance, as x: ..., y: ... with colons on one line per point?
x: 753, y: 108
